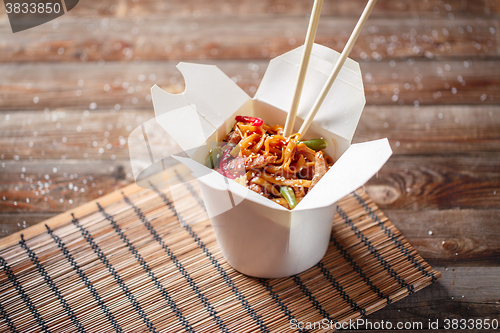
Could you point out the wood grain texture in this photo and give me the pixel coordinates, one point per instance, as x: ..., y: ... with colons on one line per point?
x: 452, y: 236
x: 126, y: 85
x: 68, y: 133
x: 74, y: 182
x: 237, y: 37
x: 12, y: 223
x: 427, y: 130
x: 461, y: 293
x: 438, y: 182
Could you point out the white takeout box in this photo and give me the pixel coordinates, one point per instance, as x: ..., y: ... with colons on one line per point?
x: 257, y: 236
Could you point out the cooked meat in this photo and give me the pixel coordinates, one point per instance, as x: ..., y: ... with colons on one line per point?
x: 299, y: 191
x: 257, y: 162
x: 233, y: 137
x: 319, y: 168
x: 306, y: 173
x: 235, y: 167
x: 256, y: 188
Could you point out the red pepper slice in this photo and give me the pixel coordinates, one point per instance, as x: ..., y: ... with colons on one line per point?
x: 228, y: 168
x: 226, y: 156
x: 254, y: 121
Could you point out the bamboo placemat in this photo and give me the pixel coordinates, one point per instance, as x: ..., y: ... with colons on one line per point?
x: 124, y: 263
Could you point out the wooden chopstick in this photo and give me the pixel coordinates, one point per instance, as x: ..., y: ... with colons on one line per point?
x: 338, y: 67
x: 311, y: 34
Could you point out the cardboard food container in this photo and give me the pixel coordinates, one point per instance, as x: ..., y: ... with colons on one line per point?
x: 257, y: 236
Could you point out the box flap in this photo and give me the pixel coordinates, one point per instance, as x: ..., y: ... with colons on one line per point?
x: 189, y: 130
x: 354, y: 168
x: 150, y: 148
x: 215, y: 95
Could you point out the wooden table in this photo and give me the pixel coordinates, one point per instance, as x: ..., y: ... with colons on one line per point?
x: 73, y: 89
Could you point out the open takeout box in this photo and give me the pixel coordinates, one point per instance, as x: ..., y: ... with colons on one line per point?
x: 257, y: 236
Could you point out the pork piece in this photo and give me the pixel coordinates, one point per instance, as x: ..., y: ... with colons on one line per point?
x: 233, y: 137
x: 306, y: 173
x: 299, y: 191
x: 257, y: 162
x: 319, y: 168
x: 256, y: 188
x: 234, y: 168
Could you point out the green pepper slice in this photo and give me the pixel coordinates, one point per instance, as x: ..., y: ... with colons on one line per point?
x: 214, y: 158
x: 288, y: 193
x: 315, y: 144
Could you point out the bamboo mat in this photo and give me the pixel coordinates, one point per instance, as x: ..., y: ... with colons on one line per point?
x: 124, y: 263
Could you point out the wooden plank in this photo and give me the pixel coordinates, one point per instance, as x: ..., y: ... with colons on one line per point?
x: 66, y: 216
x: 453, y: 237
x: 431, y: 82
x: 69, y: 133
x: 462, y: 292
x: 484, y: 8
x: 33, y: 186
x: 438, y: 182
x: 102, y: 134
x: 432, y: 129
x: 126, y: 85
x: 244, y: 37
x: 15, y: 222
x: 189, y: 8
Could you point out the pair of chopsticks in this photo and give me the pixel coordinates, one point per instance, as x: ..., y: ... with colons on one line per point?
x: 311, y: 33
